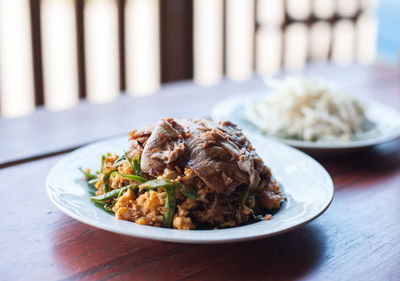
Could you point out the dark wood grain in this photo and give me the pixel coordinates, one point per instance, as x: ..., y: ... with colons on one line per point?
x: 176, y: 37
x: 36, y: 51
x: 45, y: 132
x: 357, y: 238
x: 80, y: 46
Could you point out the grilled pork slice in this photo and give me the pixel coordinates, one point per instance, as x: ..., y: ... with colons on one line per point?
x: 218, y: 153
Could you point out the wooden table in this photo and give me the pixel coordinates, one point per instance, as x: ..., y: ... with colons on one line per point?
x: 357, y: 238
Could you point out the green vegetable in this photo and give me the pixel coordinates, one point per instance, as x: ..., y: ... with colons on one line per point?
x: 101, y: 206
x: 170, y: 201
x: 130, y: 177
x: 122, y: 157
x: 88, y: 176
x: 244, y: 199
x: 170, y: 205
x: 107, y: 196
x: 113, y: 193
x: 108, y: 208
x: 184, y: 189
x: 106, y: 176
x: 92, y: 190
x: 103, y: 160
x: 92, y: 182
x: 120, y: 193
x: 136, y: 165
x: 91, y: 186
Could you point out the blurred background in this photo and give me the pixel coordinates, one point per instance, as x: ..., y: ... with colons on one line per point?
x: 55, y: 52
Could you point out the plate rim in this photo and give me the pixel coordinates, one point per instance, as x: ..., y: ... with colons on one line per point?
x: 172, y: 238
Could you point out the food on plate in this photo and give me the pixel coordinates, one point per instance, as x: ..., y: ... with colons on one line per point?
x: 186, y: 174
x: 310, y: 110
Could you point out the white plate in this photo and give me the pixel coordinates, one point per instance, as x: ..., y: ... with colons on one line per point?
x: 308, y: 187
x: 387, y: 122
